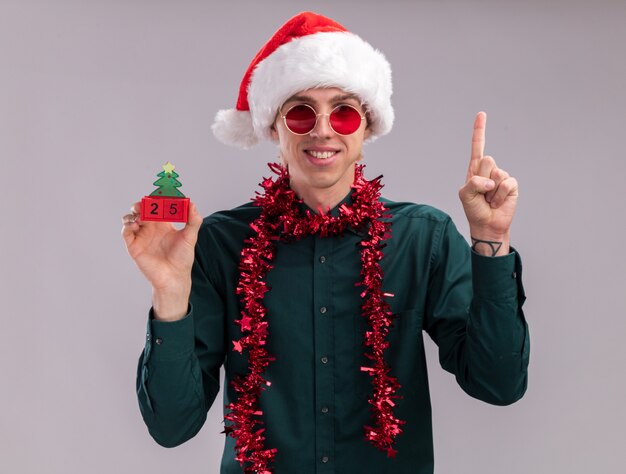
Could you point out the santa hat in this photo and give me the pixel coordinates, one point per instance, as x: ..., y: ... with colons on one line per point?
x: 306, y: 52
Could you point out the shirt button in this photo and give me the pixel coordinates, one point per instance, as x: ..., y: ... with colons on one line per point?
x: 324, y: 459
x: 148, y: 336
x: 323, y: 309
x: 322, y: 259
x: 158, y: 340
x: 514, y: 275
x: 324, y: 360
x: 324, y: 409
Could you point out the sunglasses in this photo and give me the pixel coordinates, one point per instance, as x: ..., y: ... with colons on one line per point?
x: 301, y: 119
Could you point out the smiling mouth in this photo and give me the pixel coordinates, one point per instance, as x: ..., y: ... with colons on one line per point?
x: 321, y: 155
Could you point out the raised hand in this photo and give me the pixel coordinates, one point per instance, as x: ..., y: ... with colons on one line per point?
x: 165, y: 256
x: 489, y: 197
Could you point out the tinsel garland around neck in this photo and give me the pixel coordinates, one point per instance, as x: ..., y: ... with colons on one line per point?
x: 281, y: 218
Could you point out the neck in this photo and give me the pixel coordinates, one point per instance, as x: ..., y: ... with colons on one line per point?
x: 323, y: 196
x: 321, y: 200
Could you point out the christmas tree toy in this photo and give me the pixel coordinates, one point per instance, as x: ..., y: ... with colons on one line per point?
x: 166, y: 203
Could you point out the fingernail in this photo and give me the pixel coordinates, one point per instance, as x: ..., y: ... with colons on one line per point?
x: 489, y: 184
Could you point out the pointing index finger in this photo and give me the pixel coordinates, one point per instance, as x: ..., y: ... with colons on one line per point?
x: 478, y: 143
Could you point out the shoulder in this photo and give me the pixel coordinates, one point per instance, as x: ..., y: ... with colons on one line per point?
x: 426, y: 227
x: 410, y: 212
x: 245, y: 213
x: 420, y: 223
x: 230, y: 223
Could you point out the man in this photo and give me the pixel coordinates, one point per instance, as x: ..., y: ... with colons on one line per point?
x: 315, y: 296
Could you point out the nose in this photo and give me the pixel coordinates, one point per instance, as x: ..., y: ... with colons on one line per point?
x: 322, y: 127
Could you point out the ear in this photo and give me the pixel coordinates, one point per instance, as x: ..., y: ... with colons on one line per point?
x: 274, y: 132
x: 368, y: 130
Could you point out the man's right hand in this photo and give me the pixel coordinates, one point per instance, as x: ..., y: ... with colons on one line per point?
x: 165, y: 256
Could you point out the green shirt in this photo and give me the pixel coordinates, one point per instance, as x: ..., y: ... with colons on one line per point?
x: 316, y: 407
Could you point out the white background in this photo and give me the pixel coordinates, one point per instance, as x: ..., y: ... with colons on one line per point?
x: 96, y: 95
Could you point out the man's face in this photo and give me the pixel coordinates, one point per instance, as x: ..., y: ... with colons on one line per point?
x: 321, y: 161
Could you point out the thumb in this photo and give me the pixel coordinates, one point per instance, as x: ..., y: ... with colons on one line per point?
x: 474, y: 186
x: 194, y: 221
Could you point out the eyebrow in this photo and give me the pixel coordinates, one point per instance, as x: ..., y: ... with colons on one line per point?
x: 333, y: 100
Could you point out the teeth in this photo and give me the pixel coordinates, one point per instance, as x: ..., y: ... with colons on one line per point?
x: 322, y: 155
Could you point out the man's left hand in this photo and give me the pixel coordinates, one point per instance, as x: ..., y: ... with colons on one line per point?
x: 489, y: 197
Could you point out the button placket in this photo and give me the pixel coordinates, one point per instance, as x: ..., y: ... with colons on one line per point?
x: 324, y: 345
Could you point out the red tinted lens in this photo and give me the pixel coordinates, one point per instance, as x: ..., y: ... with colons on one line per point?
x: 300, y: 119
x: 345, y: 120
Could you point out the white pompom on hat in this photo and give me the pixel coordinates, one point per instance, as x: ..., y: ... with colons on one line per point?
x: 308, y: 51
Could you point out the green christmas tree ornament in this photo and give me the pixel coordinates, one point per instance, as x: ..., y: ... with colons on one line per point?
x: 167, y: 183
x: 166, y: 203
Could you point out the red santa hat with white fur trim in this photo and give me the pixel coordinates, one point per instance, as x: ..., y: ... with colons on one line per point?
x: 308, y: 51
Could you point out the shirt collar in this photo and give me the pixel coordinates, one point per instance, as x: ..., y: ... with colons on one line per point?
x: 348, y: 201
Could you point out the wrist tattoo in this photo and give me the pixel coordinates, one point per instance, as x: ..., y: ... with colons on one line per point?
x: 494, y: 246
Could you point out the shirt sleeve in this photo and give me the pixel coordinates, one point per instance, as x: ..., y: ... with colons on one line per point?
x: 178, y: 370
x: 474, y: 314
